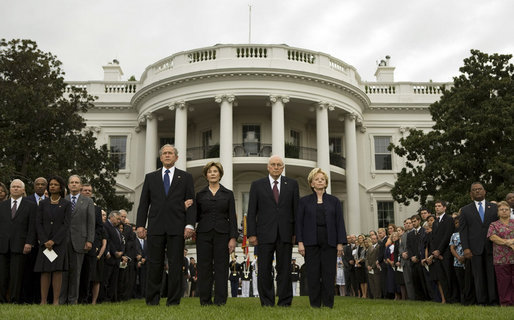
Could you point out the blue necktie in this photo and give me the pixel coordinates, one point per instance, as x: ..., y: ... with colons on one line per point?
x: 481, y: 211
x: 166, y: 181
x: 73, y: 203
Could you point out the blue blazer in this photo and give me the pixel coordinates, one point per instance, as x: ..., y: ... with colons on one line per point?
x: 306, y: 220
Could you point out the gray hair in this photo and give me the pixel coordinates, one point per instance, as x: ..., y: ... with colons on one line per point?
x: 113, y: 213
x: 75, y: 176
x: 18, y: 180
x: 168, y: 145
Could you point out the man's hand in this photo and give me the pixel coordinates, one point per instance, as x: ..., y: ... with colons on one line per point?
x: 188, y: 233
x: 88, y: 246
x: 414, y: 259
x: 405, y: 255
x: 27, y: 248
x: 49, y: 244
x: 118, y: 254
x: 188, y: 203
x: 436, y: 253
x: 140, y: 232
x: 253, y: 240
x: 467, y: 253
x: 231, y: 245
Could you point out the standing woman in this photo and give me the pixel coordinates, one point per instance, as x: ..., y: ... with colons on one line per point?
x: 52, y: 225
x: 321, y: 234
x: 216, y: 235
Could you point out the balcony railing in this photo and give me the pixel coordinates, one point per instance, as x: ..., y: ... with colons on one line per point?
x: 337, y: 160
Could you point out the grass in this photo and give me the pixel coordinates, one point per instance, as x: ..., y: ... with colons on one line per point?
x: 249, y: 308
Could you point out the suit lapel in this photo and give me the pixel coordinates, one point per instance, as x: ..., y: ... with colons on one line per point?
x: 177, y: 180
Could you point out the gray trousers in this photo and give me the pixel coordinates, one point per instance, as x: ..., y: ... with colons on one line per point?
x: 71, y: 278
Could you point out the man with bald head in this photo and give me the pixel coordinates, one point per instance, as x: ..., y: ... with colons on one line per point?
x: 272, y: 211
x: 17, y: 237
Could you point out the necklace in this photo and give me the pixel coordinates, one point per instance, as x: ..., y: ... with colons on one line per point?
x: 55, y: 201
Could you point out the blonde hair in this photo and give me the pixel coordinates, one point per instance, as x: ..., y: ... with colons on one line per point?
x: 313, y: 173
x: 212, y: 164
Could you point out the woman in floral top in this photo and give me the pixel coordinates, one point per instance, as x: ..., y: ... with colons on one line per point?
x: 501, y: 233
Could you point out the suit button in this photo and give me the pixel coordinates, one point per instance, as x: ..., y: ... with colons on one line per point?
x: 51, y: 222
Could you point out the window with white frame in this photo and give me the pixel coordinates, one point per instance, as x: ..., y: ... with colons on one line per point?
x: 382, y: 155
x: 118, y: 150
x: 385, y: 212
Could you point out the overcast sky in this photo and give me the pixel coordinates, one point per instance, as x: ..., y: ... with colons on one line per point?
x: 426, y: 39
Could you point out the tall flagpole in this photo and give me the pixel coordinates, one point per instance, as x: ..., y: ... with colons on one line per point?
x: 249, y: 24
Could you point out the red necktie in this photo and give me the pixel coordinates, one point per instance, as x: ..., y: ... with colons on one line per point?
x: 13, y: 209
x: 275, y: 191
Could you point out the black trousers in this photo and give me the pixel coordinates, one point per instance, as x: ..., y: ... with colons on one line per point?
x: 31, y: 287
x: 265, y: 284
x: 418, y: 281
x: 485, y: 279
x: 212, y: 255
x: 11, y: 275
x: 321, y: 263
x: 111, y: 272
x: 173, y: 246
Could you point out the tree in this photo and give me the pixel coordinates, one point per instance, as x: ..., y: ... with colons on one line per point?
x: 41, y: 130
x: 471, y: 140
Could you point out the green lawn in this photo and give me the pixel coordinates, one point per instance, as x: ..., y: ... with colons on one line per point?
x: 249, y: 308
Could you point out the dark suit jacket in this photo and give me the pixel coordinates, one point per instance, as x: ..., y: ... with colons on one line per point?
x: 266, y: 218
x: 166, y: 214
x: 306, y: 220
x: 114, y: 243
x: 415, y: 243
x: 53, y: 225
x: 441, y: 234
x: 473, y: 232
x: 15, y: 233
x: 216, y: 212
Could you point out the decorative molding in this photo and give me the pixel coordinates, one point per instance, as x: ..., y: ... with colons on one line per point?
x: 181, y: 104
x: 230, y: 98
x: 275, y: 98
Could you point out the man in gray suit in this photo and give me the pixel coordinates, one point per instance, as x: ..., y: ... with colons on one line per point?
x: 81, y: 236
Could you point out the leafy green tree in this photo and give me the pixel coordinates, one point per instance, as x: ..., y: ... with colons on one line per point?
x: 41, y: 130
x: 471, y: 140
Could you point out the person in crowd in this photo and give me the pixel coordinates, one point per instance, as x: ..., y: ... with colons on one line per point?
x: 246, y: 278
x: 113, y: 256
x: 272, y: 208
x: 458, y: 259
x: 501, y: 233
x: 442, y: 229
x: 389, y: 258
x: 3, y: 192
x: 295, y: 277
x: 255, y: 273
x: 349, y: 266
x: 360, y: 266
x: 234, y: 275
x: 415, y: 248
x: 193, y: 271
x: 53, y: 224
x: 81, y: 235
x: 141, y: 266
x: 216, y: 235
x: 424, y: 214
x: 104, y: 216
x: 321, y: 235
x: 399, y: 246
x: 391, y: 227
x: 340, y: 279
x: 383, y: 239
x: 373, y: 268
x: 127, y: 276
x: 18, y: 236
x: 404, y: 261
x: 170, y: 222
x: 474, y: 222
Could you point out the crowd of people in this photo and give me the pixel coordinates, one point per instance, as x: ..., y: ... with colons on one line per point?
x: 57, y: 246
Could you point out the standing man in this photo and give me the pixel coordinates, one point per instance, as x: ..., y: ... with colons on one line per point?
x: 82, y: 235
x: 115, y: 250
x: 405, y: 263
x: 162, y: 205
x: 272, y: 211
x: 474, y: 222
x: 295, y: 277
x: 415, y: 250
x: 17, y: 237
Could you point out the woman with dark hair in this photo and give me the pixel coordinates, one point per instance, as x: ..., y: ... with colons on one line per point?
x: 52, y: 225
x: 216, y: 235
x: 4, y: 194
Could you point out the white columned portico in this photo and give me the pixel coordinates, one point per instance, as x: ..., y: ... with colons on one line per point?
x: 352, y: 175
x: 278, y: 124
x: 180, y: 133
x: 322, y: 140
x: 151, y: 146
x: 226, y: 138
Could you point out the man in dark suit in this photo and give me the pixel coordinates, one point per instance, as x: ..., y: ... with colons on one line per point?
x: 162, y: 204
x: 415, y: 251
x: 382, y: 240
x: 115, y: 250
x: 81, y: 235
x: 272, y: 211
x: 474, y: 222
x: 442, y: 230
x: 141, y: 267
x: 17, y: 237
x: 31, y: 288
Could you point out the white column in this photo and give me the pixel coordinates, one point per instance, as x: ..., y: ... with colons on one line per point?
x: 278, y: 124
x: 352, y: 176
x: 226, y: 139
x: 323, y: 154
x: 151, y: 146
x: 180, y: 133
